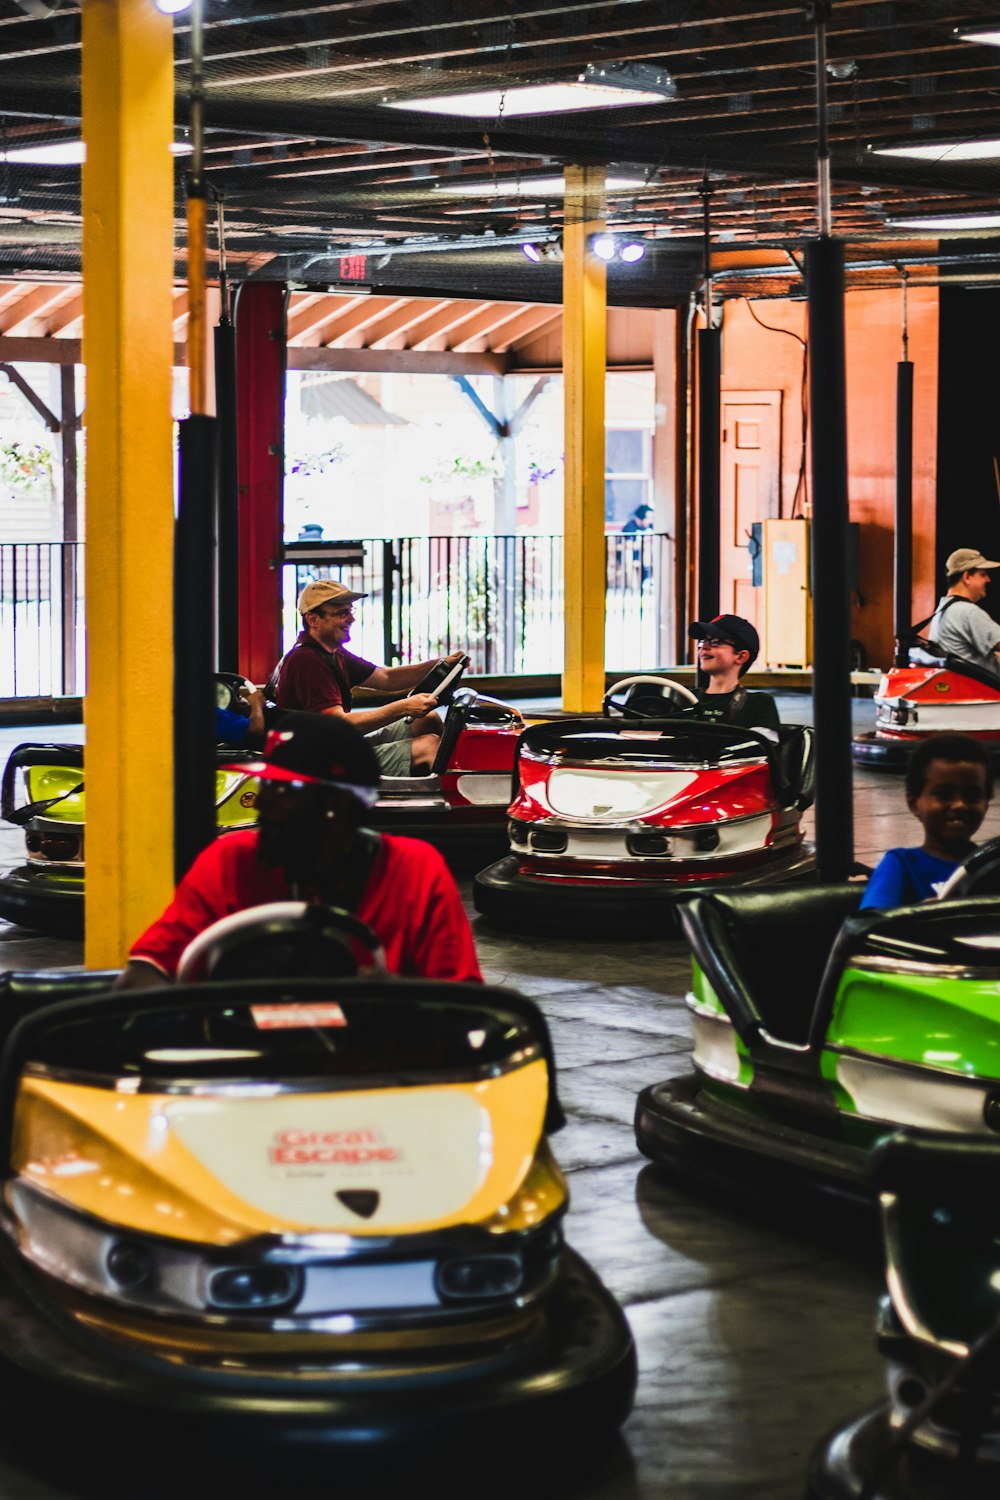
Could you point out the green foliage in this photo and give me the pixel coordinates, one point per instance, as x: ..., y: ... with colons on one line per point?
x: 24, y: 466
x: 463, y: 467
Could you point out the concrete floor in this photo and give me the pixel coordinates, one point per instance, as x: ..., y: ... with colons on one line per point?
x: 753, y: 1340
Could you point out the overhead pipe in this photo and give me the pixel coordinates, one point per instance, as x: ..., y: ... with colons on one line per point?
x: 903, y: 550
x: 194, y: 536
x: 830, y: 518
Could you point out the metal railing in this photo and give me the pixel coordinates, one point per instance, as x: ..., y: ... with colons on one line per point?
x: 42, y: 644
x: 500, y: 598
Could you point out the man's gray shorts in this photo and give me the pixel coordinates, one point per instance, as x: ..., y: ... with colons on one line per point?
x: 392, y: 746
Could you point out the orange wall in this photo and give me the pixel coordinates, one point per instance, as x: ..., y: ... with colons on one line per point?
x: 757, y: 359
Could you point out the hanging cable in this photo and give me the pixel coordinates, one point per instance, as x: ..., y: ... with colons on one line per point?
x: 801, y: 497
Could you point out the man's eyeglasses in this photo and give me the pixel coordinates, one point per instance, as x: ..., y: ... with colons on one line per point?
x: 716, y: 640
x: 336, y: 614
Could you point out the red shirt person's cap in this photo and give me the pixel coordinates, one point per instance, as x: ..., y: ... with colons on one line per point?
x: 317, y: 750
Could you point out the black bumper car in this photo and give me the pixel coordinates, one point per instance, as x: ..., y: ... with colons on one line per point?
x: 938, y: 1435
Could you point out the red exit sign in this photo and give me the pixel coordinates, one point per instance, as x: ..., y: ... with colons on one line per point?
x: 353, y: 267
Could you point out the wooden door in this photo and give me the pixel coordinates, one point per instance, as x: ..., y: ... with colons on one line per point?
x: 751, y: 491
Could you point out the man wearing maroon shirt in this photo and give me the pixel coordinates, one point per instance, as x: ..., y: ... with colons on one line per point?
x: 318, y: 778
x: 317, y: 676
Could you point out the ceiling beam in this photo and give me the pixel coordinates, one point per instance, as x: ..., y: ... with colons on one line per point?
x: 393, y: 361
x: 526, y: 327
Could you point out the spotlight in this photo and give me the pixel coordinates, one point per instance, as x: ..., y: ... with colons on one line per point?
x: 604, y: 246
x: 632, y: 251
x: 531, y: 251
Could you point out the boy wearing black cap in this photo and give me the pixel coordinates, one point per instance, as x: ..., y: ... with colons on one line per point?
x: 318, y: 779
x: 727, y: 648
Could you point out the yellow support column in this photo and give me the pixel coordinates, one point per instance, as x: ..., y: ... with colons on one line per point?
x: 584, y: 361
x: 128, y: 257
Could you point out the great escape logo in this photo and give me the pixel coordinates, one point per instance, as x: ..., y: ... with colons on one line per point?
x: 299, y: 1148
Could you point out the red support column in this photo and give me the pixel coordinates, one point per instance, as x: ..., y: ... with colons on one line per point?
x: 261, y: 336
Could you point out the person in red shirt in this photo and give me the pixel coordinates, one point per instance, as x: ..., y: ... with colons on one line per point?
x: 318, y: 778
x: 317, y: 675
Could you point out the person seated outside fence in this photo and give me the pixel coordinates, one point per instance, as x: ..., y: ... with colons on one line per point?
x: 727, y: 648
x: 949, y: 783
x: 318, y: 675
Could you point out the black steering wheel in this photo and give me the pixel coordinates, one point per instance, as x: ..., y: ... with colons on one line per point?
x: 281, y: 940
x: 979, y: 875
x: 660, y: 696
x: 227, y: 693
x: 442, y: 680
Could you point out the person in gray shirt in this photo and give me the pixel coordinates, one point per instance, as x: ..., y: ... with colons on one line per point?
x: 958, y: 625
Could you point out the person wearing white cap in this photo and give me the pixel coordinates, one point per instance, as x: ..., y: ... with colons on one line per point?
x: 959, y: 626
x: 318, y: 674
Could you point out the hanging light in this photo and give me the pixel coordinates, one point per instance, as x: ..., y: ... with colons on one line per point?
x: 604, y: 246
x: 608, y: 247
x: 173, y: 7
x: 531, y: 251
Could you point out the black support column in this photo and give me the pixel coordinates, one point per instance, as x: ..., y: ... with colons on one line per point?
x: 830, y: 560
x: 709, y: 469
x: 903, y: 557
x: 194, y: 645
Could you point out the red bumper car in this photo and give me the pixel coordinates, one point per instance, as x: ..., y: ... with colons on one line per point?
x: 931, y: 696
x: 618, y: 819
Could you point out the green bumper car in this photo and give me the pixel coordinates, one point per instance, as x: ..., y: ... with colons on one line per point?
x: 937, y: 1437
x: 43, y: 792
x: 818, y: 1030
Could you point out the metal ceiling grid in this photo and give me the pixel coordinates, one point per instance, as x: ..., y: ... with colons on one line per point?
x: 313, y: 163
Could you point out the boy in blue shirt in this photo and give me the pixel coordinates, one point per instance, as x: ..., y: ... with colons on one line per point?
x: 949, y: 783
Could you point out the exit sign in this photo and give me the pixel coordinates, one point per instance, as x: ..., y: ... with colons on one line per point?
x: 353, y: 267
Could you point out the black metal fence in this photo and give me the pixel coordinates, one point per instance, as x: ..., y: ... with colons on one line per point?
x: 500, y: 598
x: 42, y: 645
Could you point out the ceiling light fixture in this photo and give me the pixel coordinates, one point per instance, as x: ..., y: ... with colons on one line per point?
x: 608, y: 247
x: 65, y: 153
x: 532, y: 252
x: 632, y: 251
x: 173, y: 7
x: 987, y: 149
x: 946, y: 222
x: 524, y: 187
x: 599, y: 86
x: 989, y: 36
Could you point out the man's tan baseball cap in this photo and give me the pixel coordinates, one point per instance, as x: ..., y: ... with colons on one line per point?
x: 325, y: 591
x: 968, y: 560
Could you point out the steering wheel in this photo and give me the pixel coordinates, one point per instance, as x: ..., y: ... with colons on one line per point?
x: 979, y: 875
x: 281, y: 939
x: 442, y: 680
x: 227, y: 693
x: 618, y: 699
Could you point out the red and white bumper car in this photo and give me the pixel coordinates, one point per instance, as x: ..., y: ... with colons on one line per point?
x: 618, y: 818
x: 932, y: 696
